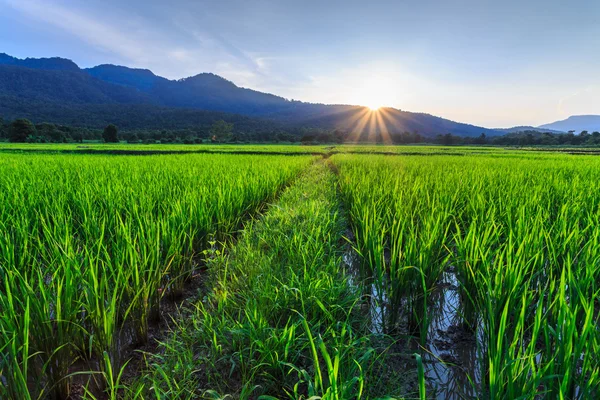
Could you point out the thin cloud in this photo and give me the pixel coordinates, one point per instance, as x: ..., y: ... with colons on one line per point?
x: 86, y: 28
x: 141, y: 47
x: 584, y: 101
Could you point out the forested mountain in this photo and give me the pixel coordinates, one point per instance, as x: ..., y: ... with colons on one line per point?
x: 576, y: 123
x: 127, y: 116
x: 64, y: 86
x: 57, y: 90
x: 54, y: 63
x: 517, y: 129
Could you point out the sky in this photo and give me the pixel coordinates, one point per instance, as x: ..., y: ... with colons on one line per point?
x: 491, y: 63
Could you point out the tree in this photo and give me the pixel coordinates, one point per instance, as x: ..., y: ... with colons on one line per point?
x: 220, y: 131
x: 189, y: 139
x: 307, y: 139
x: 51, y: 132
x: 339, y: 136
x: 110, y: 134
x: 20, y: 130
x: 482, y: 139
x: 133, y: 138
x: 448, y: 140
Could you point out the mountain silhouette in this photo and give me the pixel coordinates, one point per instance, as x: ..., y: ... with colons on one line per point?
x: 576, y: 123
x: 57, y: 90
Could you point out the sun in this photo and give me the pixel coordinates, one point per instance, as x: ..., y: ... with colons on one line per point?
x: 377, y: 86
x: 373, y: 99
x: 373, y: 92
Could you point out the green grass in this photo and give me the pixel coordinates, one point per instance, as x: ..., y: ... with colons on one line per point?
x: 90, y: 244
x: 281, y: 318
x: 522, y: 234
x: 220, y: 148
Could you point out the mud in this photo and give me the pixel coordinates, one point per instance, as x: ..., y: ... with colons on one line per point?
x: 451, y: 354
x: 86, y: 373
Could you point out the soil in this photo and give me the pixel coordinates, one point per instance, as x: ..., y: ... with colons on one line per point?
x: 170, y: 308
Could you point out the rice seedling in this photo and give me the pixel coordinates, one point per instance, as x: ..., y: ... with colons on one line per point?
x: 519, y: 233
x: 282, y: 320
x: 90, y: 244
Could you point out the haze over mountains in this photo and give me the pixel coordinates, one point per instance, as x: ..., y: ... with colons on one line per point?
x: 576, y: 123
x: 57, y: 90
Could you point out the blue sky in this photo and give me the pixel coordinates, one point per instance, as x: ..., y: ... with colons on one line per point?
x: 492, y: 63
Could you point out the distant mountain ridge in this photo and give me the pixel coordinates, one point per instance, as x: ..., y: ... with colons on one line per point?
x: 143, y: 79
x: 54, y: 63
x: 576, y: 123
x: 518, y: 129
x: 57, y: 90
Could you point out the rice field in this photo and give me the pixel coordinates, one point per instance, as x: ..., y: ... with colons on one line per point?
x: 90, y: 244
x: 431, y: 273
x: 117, y: 148
x: 281, y: 319
x: 503, y: 250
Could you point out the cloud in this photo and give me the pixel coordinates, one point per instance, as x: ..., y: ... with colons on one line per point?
x: 187, y: 43
x: 137, y: 42
x: 84, y: 27
x: 584, y: 101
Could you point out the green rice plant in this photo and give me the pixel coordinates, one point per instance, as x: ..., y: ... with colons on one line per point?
x: 519, y: 234
x: 281, y: 319
x: 16, y: 355
x: 402, y: 231
x: 90, y: 244
x: 421, y: 373
x: 113, y: 380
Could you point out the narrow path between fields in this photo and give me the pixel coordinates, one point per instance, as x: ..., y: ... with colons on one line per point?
x: 87, y: 381
x: 280, y: 317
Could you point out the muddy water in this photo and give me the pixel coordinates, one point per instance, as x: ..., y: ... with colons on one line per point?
x: 451, y: 353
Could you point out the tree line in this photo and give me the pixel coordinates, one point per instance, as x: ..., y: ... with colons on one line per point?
x: 525, y: 138
x: 23, y: 130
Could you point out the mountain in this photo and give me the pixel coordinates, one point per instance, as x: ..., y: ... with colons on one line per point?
x: 518, y: 129
x: 64, y: 86
x: 54, y: 63
x: 577, y: 123
x: 127, y: 116
x: 57, y: 90
x: 362, y: 119
x: 203, y: 91
x: 142, y: 79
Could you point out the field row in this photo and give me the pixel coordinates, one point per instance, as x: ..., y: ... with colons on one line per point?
x: 281, y: 317
x: 485, y: 265
x: 512, y: 243
x: 123, y: 148
x: 90, y: 244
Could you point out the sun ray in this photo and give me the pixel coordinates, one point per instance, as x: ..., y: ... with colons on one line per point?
x: 358, y: 125
x: 382, y: 126
x: 357, y: 116
x: 363, y: 129
x: 386, y: 120
x: 372, y: 131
